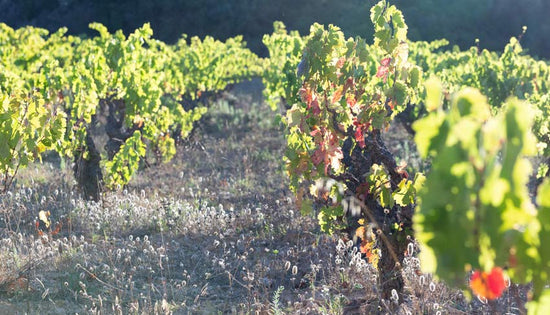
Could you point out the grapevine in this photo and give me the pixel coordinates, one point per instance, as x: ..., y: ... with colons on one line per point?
x: 349, y: 93
x: 139, y: 83
x: 475, y: 212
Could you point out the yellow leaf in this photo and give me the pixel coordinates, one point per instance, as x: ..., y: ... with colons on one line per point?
x: 44, y: 216
x: 40, y: 147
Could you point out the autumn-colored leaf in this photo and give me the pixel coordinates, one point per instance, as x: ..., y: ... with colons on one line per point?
x: 368, y: 243
x: 362, y: 191
x: 328, y: 149
x: 40, y: 147
x: 383, y: 69
x: 360, y: 131
x: 382, y: 72
x: 138, y: 121
x: 57, y: 229
x: 488, y: 285
x: 314, y: 107
x: 310, y: 99
x: 401, y: 169
x: 367, y: 248
x: 340, y: 62
x: 392, y: 104
x: 360, y: 232
x: 351, y: 101
x: 359, y: 137
x: 306, y: 95
x: 38, y: 231
x: 44, y: 216
x: 337, y: 96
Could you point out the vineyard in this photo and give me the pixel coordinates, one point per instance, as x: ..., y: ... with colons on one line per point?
x: 338, y: 175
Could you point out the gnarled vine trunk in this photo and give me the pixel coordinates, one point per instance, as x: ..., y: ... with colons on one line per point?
x: 391, y: 242
x: 115, y: 127
x: 87, y: 171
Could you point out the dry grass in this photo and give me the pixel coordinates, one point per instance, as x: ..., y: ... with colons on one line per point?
x: 214, y: 231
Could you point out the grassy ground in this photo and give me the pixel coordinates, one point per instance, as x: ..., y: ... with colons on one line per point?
x: 214, y: 231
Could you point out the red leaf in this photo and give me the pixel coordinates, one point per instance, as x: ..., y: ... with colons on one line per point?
x: 310, y: 99
x: 392, y: 104
x: 314, y: 106
x: 401, y: 169
x: 382, y: 72
x: 315, y: 132
x: 328, y: 149
x: 57, y: 229
x: 359, y: 137
x: 351, y: 101
x: 385, y: 62
x: 488, y: 285
x: 360, y: 133
x: 305, y: 94
x: 340, y: 62
x: 383, y: 69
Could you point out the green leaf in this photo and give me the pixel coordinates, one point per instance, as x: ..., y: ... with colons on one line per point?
x: 541, y: 305
x: 434, y: 94
x: 431, y: 133
x: 470, y: 102
x: 294, y: 116
x: 405, y: 193
x: 399, y: 91
x: 376, y: 13
x: 5, y: 152
x: 415, y: 77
